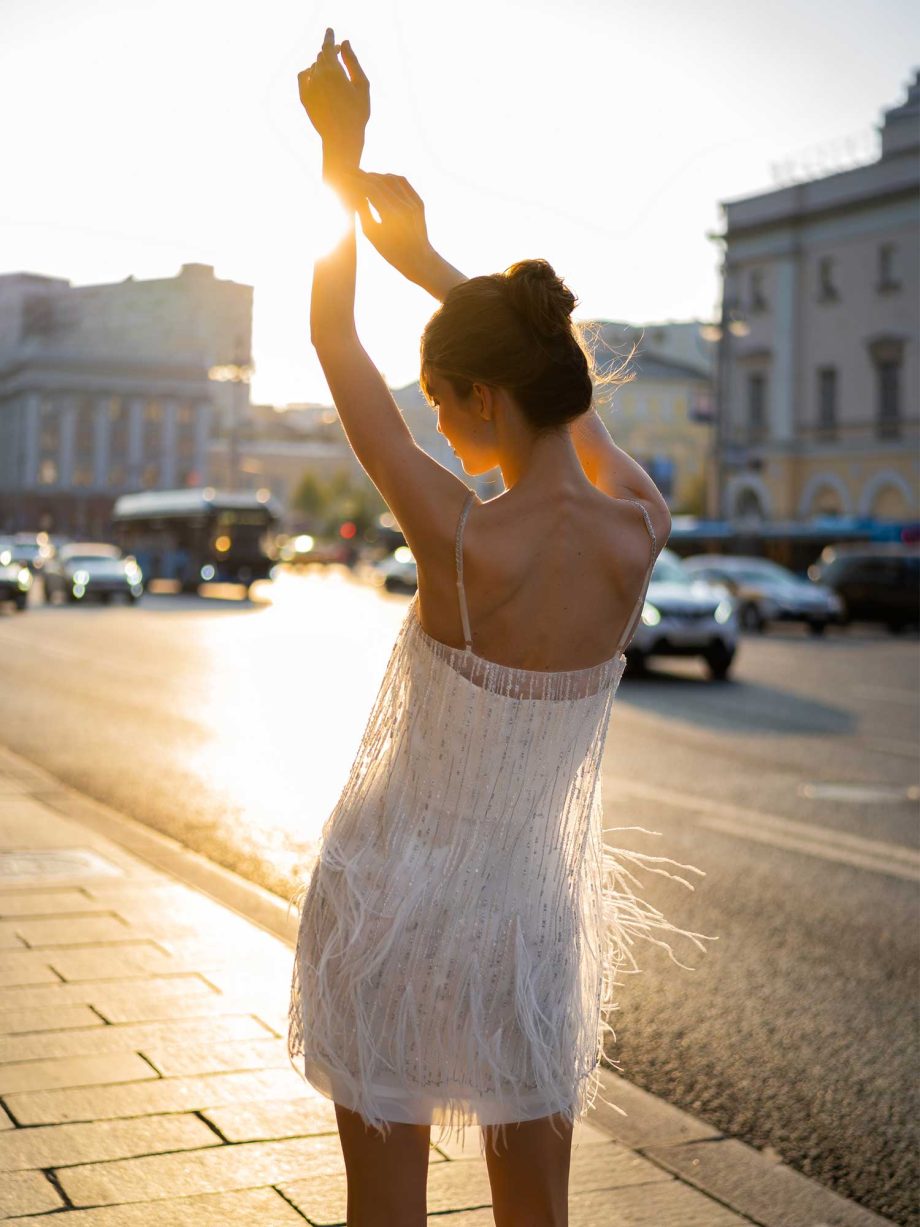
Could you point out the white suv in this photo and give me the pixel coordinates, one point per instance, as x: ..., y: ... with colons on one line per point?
x: 684, y: 616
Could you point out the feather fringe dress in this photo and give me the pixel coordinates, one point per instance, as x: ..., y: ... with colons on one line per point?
x: 464, y: 929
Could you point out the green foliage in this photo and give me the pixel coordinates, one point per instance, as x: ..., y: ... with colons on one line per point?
x: 326, y: 502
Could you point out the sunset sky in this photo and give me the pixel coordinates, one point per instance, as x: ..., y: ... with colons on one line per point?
x: 598, y: 134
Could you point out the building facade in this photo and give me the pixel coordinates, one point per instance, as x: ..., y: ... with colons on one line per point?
x: 818, y: 384
x: 664, y: 417
x: 104, y: 390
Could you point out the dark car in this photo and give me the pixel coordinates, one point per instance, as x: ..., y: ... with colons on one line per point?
x: 92, y: 570
x: 15, y: 577
x: 876, y: 582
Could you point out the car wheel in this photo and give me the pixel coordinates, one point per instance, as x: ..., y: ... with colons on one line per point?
x: 22, y: 599
x: 719, y: 661
x: 749, y: 616
x: 896, y: 628
x: 817, y: 627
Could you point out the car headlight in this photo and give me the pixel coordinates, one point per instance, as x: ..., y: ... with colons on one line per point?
x: 724, y: 611
x: 651, y: 615
x: 80, y: 579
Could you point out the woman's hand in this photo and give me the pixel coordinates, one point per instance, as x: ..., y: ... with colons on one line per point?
x: 338, y: 104
x: 401, y: 234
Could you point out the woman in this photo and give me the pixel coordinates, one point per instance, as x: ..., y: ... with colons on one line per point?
x: 462, y: 934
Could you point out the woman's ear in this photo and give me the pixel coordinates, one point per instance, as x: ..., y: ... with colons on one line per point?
x: 484, y: 403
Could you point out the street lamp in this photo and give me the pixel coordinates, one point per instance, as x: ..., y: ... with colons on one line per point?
x: 732, y: 324
x: 238, y: 373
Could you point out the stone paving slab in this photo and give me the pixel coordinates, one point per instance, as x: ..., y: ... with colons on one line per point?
x: 76, y: 1038
x: 72, y: 931
x: 774, y: 1193
x: 27, y: 1193
x: 154, y: 1096
x: 120, y: 1002
x: 252, y: 1208
x: 10, y: 939
x: 64, y: 1145
x: 72, y: 1071
x: 20, y: 968
x: 649, y: 1120
x: 68, y: 900
x: 274, y: 1119
x: 172, y: 1061
x: 218, y: 1169
x: 16, y: 1024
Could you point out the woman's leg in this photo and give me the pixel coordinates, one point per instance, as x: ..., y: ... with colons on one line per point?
x: 387, y: 1178
x: 529, y: 1172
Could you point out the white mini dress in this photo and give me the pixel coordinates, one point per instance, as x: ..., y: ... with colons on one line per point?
x: 464, y: 928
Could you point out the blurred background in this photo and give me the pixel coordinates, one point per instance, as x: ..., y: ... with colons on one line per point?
x: 202, y: 585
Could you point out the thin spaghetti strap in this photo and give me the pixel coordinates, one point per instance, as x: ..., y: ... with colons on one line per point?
x: 653, y: 553
x: 461, y: 594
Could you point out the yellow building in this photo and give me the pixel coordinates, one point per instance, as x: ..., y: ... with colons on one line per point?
x: 664, y: 417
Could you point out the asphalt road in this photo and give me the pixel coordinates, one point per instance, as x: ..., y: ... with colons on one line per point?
x: 231, y: 726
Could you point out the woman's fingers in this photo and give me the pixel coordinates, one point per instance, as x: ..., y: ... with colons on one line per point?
x: 355, y: 71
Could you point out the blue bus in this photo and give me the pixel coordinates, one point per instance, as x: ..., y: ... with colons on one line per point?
x: 198, y: 536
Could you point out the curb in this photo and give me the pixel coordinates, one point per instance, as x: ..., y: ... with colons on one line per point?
x: 749, y: 1182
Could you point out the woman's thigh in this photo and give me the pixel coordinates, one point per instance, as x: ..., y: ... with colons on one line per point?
x: 387, y: 1177
x: 529, y: 1172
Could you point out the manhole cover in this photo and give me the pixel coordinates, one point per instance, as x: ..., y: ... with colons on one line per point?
x: 40, y: 864
x: 860, y: 792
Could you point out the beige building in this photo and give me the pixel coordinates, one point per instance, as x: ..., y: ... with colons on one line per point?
x: 275, y: 449
x: 818, y: 377
x: 664, y: 417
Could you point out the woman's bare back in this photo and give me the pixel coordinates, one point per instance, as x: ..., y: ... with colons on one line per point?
x: 550, y: 585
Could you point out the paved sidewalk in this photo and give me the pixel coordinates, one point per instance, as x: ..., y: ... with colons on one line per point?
x: 144, y: 1079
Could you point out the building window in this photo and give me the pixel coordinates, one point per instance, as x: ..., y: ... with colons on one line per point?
x: 185, y: 444
x: 118, y: 443
x: 758, y: 298
x: 887, y: 268
x: 827, y: 402
x: 888, y: 420
x: 827, y: 288
x: 661, y: 469
x: 152, y: 446
x: 84, y: 443
x: 49, y: 443
x: 757, y: 406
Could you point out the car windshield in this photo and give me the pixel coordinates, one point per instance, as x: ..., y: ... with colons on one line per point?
x: 669, y: 571
x: 82, y: 559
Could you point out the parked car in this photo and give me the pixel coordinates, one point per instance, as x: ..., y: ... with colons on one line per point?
x: 877, y: 582
x: 684, y: 615
x: 31, y: 549
x: 398, y: 571
x: 766, y: 592
x: 15, y: 577
x: 92, y: 569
